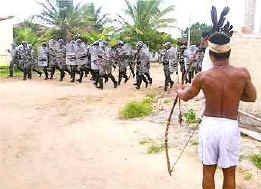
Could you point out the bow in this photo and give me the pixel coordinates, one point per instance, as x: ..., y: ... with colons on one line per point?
x: 177, y: 99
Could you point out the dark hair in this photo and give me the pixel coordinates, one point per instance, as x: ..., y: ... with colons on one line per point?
x: 205, y: 34
x: 220, y: 56
x: 219, y: 38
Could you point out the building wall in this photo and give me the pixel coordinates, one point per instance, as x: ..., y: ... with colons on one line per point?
x: 6, y: 38
x: 250, y: 12
x: 246, y: 53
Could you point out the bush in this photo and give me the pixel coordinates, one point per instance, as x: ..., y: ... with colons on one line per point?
x: 137, y: 109
x: 153, y: 149
x: 191, y: 117
x: 256, y: 160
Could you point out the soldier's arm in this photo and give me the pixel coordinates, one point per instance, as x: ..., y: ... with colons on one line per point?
x: 249, y: 93
x: 192, y: 91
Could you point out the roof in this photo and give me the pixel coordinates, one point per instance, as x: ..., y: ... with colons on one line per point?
x: 6, y: 18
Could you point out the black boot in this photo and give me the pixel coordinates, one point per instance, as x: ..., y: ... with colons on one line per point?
x: 52, y: 72
x: 139, y: 81
x: 145, y: 81
x: 25, y: 75
x: 81, y: 76
x: 62, y: 75
x: 171, y: 83
x: 113, y: 80
x: 72, y: 77
x: 106, y: 78
x: 100, y: 83
x: 120, y: 78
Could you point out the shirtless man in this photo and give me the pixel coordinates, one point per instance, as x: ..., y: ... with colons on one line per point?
x: 224, y: 86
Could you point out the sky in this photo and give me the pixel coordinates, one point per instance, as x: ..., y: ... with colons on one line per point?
x: 186, y: 11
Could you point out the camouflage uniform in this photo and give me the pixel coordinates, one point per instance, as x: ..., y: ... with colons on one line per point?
x: 61, y: 59
x: 170, y: 64
x: 142, y: 64
x: 71, y: 58
x: 122, y: 55
x: 181, y: 59
x: 34, y: 65
x: 188, y: 53
x: 93, y: 50
x: 81, y: 58
x: 52, y: 56
x: 25, y: 57
x: 43, y: 58
x: 13, y: 61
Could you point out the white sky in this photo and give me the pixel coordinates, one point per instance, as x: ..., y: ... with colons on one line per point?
x: 186, y: 11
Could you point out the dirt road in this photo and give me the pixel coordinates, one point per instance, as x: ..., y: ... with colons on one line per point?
x: 62, y: 136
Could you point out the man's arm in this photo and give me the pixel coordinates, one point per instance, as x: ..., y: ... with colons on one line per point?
x: 192, y: 91
x: 249, y: 92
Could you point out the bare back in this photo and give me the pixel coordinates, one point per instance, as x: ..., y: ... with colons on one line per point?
x: 223, y: 88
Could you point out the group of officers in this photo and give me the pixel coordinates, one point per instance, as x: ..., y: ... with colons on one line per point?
x: 99, y: 59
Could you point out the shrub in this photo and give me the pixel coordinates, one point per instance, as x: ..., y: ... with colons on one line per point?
x: 135, y: 109
x: 191, y: 117
x: 256, y: 160
x: 155, y: 149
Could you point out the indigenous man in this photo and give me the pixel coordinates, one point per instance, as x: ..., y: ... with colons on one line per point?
x: 43, y: 58
x: 169, y: 64
x: 224, y: 86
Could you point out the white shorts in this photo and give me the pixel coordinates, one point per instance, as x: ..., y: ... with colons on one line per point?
x: 219, y: 142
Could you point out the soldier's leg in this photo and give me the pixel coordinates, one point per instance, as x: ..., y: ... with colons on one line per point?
x: 82, y: 69
x: 11, y: 68
x: 37, y: 70
x: 139, y: 80
x: 29, y: 70
x: 148, y: 77
x: 73, y: 72
x: 132, y: 69
x: 25, y: 71
x: 167, y: 79
x: 144, y: 80
x: 113, y: 80
x: 120, y: 77
x: 45, y: 72
x: 52, y: 71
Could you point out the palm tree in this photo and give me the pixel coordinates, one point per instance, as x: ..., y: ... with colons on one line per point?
x: 65, y: 19
x: 146, y: 18
x: 94, y: 17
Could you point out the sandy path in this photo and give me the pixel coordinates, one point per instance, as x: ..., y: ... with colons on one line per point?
x: 63, y: 136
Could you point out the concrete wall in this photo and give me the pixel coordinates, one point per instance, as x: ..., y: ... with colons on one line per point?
x: 6, y: 38
x: 246, y: 53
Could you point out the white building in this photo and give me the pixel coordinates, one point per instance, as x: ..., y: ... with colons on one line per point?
x: 6, y: 39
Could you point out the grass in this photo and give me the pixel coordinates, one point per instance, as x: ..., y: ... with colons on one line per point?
x: 242, y: 157
x: 4, y: 71
x: 190, y: 117
x: 153, y: 93
x: 167, y: 101
x: 194, y: 143
x: 153, y: 149
x: 247, y: 175
x: 136, y: 109
x: 146, y: 141
x: 256, y: 160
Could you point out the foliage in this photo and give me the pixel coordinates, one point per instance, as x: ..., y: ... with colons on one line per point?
x: 135, y: 109
x: 247, y: 175
x: 146, y: 141
x: 4, y: 71
x: 93, y: 17
x: 190, y: 117
x: 155, y: 149
x: 146, y: 19
x: 69, y: 20
x: 196, y: 31
x: 256, y: 160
